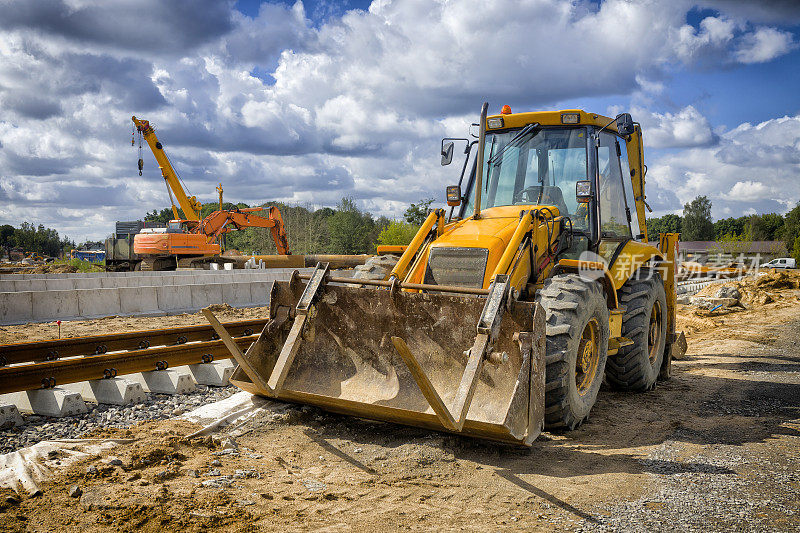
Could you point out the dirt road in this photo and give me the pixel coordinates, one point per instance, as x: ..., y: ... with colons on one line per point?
x: 716, y: 448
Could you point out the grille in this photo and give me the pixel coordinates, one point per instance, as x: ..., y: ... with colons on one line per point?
x: 461, y: 267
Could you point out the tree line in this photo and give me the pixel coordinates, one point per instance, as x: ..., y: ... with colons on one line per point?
x: 344, y: 229
x: 28, y: 239
x: 696, y: 225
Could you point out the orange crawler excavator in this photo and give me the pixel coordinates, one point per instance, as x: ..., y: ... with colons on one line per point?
x: 194, y: 242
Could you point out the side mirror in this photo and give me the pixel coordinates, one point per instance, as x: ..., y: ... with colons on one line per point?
x: 447, y: 152
x: 625, y: 124
x: 583, y: 191
x: 453, y: 195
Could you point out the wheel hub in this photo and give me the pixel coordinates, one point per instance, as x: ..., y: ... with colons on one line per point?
x: 588, y: 357
x: 654, y: 331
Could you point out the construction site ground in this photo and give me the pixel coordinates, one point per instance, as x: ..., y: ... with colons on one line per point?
x: 716, y: 448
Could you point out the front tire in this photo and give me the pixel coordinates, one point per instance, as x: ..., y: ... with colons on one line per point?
x: 577, y: 334
x: 636, y: 367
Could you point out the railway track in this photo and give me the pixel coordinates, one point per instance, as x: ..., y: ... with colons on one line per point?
x: 46, y: 364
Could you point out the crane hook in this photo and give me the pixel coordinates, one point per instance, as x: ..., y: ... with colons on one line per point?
x: 141, y: 165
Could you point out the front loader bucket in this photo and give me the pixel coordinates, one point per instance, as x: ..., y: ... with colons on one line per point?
x: 400, y: 357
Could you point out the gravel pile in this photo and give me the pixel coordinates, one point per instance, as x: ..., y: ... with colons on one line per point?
x: 156, y: 407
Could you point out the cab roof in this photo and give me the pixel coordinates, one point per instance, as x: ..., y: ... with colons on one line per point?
x: 553, y: 118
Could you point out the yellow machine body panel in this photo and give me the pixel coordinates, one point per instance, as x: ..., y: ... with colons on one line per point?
x: 492, y: 232
x: 634, y: 254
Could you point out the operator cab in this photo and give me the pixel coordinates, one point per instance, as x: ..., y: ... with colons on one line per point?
x: 580, y: 169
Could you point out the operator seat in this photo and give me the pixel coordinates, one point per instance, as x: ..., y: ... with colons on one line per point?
x: 552, y: 195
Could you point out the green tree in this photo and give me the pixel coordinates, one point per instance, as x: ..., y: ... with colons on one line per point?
x: 7, y: 238
x: 791, y: 227
x: 398, y: 232
x: 417, y: 213
x: 796, y: 249
x: 729, y: 226
x: 667, y: 224
x: 765, y: 227
x: 697, y: 225
x: 350, y: 229
x: 163, y: 216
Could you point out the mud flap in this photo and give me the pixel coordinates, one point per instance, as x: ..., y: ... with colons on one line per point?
x: 347, y: 361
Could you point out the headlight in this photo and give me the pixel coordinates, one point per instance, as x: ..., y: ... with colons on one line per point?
x: 494, y: 123
x: 570, y: 118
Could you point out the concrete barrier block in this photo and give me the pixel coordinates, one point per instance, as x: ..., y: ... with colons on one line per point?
x: 115, y: 391
x: 31, y: 285
x: 9, y: 416
x: 56, y: 402
x: 138, y: 300
x: 9, y: 285
x: 164, y: 381
x: 110, y: 283
x: 94, y: 303
x: 87, y: 283
x: 54, y: 305
x: 236, y: 294
x: 259, y: 292
x: 204, y: 295
x: 174, y: 298
x: 16, y: 307
x: 60, y: 285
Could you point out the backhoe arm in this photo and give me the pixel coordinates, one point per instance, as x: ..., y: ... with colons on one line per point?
x: 190, y: 205
x: 220, y: 222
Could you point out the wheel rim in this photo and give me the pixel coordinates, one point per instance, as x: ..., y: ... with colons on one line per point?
x: 588, y: 357
x: 654, y: 331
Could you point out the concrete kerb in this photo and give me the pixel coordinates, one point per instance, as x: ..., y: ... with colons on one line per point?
x: 174, y: 298
x: 252, y: 289
x: 259, y: 292
x: 54, y: 305
x: 205, y: 295
x: 16, y: 307
x: 93, y: 303
x: 135, y: 300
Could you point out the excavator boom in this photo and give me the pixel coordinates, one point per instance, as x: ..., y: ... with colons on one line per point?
x: 221, y: 222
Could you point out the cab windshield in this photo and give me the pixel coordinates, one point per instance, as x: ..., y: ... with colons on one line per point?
x: 535, y: 166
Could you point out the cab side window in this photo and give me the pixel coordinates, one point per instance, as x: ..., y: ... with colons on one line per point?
x: 628, y: 185
x: 613, y: 217
x: 614, y: 226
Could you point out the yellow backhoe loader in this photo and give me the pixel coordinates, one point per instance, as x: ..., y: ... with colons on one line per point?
x: 503, y: 317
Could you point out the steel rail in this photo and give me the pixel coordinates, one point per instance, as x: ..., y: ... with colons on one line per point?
x: 49, y: 350
x: 53, y: 373
x: 403, y: 285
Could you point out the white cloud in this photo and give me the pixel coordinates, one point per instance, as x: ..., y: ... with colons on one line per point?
x: 753, y: 167
x: 747, y: 191
x: 277, y: 108
x: 765, y: 44
x: 685, y: 128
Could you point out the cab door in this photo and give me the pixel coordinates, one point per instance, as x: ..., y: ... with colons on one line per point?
x: 614, y: 214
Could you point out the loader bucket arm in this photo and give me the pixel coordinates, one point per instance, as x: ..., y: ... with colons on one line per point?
x: 445, y: 361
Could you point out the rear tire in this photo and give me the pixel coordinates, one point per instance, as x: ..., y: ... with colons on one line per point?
x: 577, y: 334
x: 636, y: 367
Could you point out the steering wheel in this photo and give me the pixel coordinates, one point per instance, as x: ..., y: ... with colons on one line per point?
x: 518, y: 196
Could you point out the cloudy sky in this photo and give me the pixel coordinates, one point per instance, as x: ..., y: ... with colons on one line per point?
x: 307, y: 102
